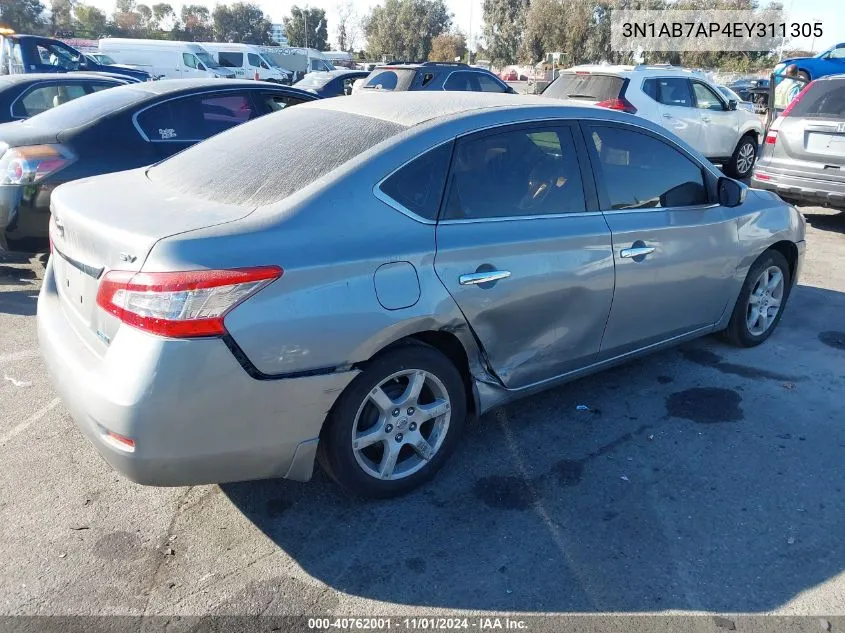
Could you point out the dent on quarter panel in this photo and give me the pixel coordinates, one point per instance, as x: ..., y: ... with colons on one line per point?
x: 397, y: 285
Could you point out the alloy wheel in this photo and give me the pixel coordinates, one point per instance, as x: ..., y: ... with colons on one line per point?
x: 401, y: 425
x: 745, y: 158
x: 765, y: 300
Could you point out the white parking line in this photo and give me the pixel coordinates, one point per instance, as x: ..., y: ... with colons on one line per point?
x: 10, y: 358
x: 16, y: 430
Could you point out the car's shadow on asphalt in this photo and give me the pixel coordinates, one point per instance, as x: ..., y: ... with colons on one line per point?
x: 826, y: 221
x: 700, y: 479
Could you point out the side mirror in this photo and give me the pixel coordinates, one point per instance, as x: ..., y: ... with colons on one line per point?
x: 732, y: 104
x: 201, y: 66
x: 731, y: 192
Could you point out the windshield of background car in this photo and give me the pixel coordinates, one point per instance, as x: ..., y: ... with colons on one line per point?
x: 585, y: 86
x: 269, y: 61
x: 390, y: 79
x: 233, y: 167
x: 207, y: 59
x: 822, y: 100
x: 83, y: 111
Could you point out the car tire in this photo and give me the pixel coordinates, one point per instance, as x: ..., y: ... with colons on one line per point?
x: 361, y: 437
x: 744, y: 330
x: 744, y: 156
x: 804, y: 76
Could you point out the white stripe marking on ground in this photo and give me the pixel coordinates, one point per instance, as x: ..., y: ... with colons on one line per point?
x: 20, y: 428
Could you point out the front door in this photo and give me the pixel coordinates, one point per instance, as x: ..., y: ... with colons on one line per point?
x: 522, y: 250
x: 675, y: 249
x: 720, y: 125
x: 676, y: 111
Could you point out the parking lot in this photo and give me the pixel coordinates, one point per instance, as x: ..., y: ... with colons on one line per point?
x: 704, y: 478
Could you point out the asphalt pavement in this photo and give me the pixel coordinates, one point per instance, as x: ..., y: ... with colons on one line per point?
x: 700, y: 479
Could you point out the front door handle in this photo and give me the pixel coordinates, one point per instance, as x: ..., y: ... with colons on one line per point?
x: 706, y: 119
x: 666, y: 115
x: 473, y: 279
x: 637, y: 251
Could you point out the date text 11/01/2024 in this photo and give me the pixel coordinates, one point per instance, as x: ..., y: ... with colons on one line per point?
x: 418, y: 624
x: 719, y: 29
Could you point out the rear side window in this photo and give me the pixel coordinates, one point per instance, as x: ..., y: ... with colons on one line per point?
x: 823, y: 99
x: 236, y: 168
x: 640, y: 171
x: 196, y: 117
x: 588, y: 86
x: 461, y: 81
x: 101, y: 104
x: 231, y: 60
x: 44, y: 98
x: 487, y: 84
x: 275, y: 102
x: 391, y: 79
x: 525, y: 172
x: 418, y: 185
x: 385, y: 81
x: 673, y: 91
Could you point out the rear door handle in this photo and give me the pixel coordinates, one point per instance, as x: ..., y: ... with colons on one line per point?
x: 638, y: 251
x: 473, y: 279
x: 706, y: 119
x: 666, y: 115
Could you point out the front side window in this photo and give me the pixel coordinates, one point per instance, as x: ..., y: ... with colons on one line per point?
x: 386, y: 80
x: 516, y: 173
x: 418, y: 185
x: 276, y: 102
x: 674, y: 92
x: 837, y: 53
x: 462, y: 82
x: 640, y: 171
x: 254, y: 60
x: 43, y: 98
x: 231, y: 60
x: 55, y: 54
x: 706, y: 99
x: 189, y: 60
x: 195, y: 118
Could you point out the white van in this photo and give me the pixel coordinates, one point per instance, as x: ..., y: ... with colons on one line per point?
x: 248, y: 62
x: 164, y: 59
x: 299, y: 61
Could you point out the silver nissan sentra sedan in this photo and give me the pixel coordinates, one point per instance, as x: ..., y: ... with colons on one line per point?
x: 351, y: 279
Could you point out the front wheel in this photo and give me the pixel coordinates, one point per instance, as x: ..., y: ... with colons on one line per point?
x: 742, y: 161
x: 761, y: 301
x: 396, y: 423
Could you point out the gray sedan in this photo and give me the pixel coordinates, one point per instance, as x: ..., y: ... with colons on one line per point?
x: 260, y: 301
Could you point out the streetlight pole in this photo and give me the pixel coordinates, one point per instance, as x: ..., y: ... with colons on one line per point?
x: 305, y: 17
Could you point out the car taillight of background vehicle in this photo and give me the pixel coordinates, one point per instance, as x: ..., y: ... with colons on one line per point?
x: 29, y: 164
x: 180, y: 304
x: 621, y: 104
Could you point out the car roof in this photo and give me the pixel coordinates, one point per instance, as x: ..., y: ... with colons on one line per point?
x: 163, y: 86
x: 12, y: 80
x: 627, y: 70
x: 413, y: 107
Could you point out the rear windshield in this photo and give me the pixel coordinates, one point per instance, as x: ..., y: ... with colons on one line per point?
x: 392, y: 79
x: 585, y: 86
x: 268, y: 159
x: 823, y: 99
x: 314, y: 80
x: 87, y: 109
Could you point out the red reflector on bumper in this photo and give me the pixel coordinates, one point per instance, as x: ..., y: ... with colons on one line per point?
x: 762, y: 177
x: 121, y: 442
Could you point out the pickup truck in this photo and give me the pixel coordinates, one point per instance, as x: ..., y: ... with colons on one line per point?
x: 24, y: 54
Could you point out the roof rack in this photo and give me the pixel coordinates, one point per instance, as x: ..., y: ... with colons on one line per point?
x: 660, y: 66
x: 444, y: 64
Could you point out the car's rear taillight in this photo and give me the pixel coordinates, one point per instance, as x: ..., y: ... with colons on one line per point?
x: 771, y: 137
x: 28, y: 164
x: 621, y: 104
x: 796, y: 99
x: 180, y: 304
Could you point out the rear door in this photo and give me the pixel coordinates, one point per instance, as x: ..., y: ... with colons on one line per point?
x: 677, y: 112
x: 720, y: 125
x: 674, y: 248
x: 522, y: 250
x: 810, y: 140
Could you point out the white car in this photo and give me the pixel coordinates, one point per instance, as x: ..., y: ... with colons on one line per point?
x: 681, y: 101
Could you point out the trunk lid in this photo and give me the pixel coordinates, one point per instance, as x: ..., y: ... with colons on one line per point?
x: 29, y: 132
x: 811, y: 148
x: 111, y: 223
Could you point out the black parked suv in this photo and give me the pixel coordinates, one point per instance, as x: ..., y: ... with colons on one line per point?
x: 400, y: 76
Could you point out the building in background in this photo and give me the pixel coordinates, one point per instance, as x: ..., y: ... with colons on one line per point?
x: 277, y: 33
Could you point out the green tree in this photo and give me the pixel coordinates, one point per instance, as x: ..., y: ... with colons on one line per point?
x: 347, y: 26
x: 448, y: 47
x: 307, y: 27
x: 91, y: 22
x: 24, y: 16
x: 61, y: 16
x: 196, y: 24
x: 164, y: 17
x: 504, y: 29
x: 404, y: 29
x: 241, y: 22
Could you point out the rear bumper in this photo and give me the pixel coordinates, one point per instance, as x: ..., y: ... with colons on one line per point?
x: 194, y: 414
x: 800, y: 189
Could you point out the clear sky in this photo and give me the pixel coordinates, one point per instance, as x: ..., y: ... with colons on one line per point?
x: 467, y: 15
